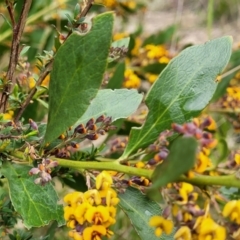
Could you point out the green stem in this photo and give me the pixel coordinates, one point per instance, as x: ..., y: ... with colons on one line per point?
x: 227, y: 181
x: 210, y: 17
x: 112, y: 166
x: 224, y: 110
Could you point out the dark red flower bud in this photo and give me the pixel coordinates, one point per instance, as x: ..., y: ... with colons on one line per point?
x: 178, y: 128
x: 92, y: 127
x: 152, y: 162
x: 90, y: 122
x: 33, y: 125
x: 74, y: 145
x: 100, y: 119
x: 80, y: 129
x: 107, y: 120
x: 101, y: 131
x: 92, y: 136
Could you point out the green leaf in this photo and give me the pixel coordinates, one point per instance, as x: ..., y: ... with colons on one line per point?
x: 180, y: 160
x: 182, y: 90
x: 77, y: 74
x: 161, y: 37
x: 38, y: 205
x: 155, y: 68
x: 112, y: 103
x: 220, y: 153
x: 139, y: 208
x: 116, y: 80
x: 124, y: 42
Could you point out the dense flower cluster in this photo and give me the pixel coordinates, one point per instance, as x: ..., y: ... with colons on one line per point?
x: 195, y: 212
x: 131, y: 79
x: 156, y: 52
x: 90, y: 214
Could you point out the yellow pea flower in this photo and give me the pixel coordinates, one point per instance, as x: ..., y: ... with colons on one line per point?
x: 161, y: 224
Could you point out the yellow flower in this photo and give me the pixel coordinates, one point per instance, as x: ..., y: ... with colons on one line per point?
x: 68, y: 213
x: 237, y: 158
x: 210, y: 230
x: 164, y: 59
x: 184, y: 191
x: 80, y: 211
x: 31, y: 82
x: 45, y: 81
x: 118, y: 36
x: 94, y: 232
x: 8, y: 115
x: 103, y: 180
x: 131, y: 79
x: 111, y: 220
x: 183, y: 233
x: 77, y: 236
x: 155, y: 51
x: 111, y: 198
x: 161, y: 224
x: 137, y: 45
x: 151, y: 77
x: 129, y: 4
x: 73, y: 199
x: 107, y: 3
x: 93, y: 197
x: 71, y: 224
x: 203, y: 162
x: 97, y: 215
x: 232, y: 210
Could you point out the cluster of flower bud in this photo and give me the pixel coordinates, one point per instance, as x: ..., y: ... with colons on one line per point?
x: 93, y: 128
x: 118, y: 52
x: 44, y: 170
x: 91, y: 131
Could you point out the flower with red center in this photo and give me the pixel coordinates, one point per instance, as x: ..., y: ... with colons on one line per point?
x: 94, y: 232
x: 97, y: 215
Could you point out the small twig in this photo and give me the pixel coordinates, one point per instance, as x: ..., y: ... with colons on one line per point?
x: 230, y: 71
x: 10, y: 11
x: 86, y: 9
x: 4, y: 137
x: 34, y: 90
x: 15, y: 51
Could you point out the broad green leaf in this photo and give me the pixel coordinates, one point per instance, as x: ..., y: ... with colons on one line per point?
x: 182, y: 90
x: 77, y: 74
x: 119, y: 103
x: 139, y: 208
x: 180, y: 159
x: 38, y: 205
x: 116, y: 81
